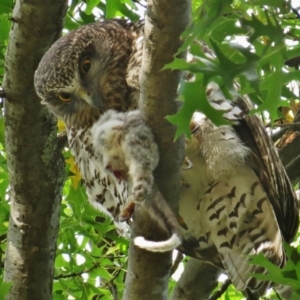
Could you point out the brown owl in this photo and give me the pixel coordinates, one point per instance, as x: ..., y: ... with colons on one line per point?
x: 236, y: 197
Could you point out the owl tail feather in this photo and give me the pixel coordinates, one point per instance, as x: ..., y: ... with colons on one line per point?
x: 168, y: 245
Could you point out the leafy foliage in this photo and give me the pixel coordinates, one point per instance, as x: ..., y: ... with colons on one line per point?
x: 289, y: 275
x: 91, y: 258
x: 251, y: 43
x: 5, y: 12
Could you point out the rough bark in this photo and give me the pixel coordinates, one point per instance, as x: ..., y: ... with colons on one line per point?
x: 36, y: 166
x: 197, y: 281
x: 148, y: 273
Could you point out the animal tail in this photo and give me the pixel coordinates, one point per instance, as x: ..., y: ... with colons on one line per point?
x: 168, y: 245
x: 160, y: 211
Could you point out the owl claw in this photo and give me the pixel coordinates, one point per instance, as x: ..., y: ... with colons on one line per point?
x: 127, y: 212
x: 188, y: 163
x: 181, y: 222
x: 190, y: 241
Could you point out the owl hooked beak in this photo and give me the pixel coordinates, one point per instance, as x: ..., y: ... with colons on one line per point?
x: 91, y: 98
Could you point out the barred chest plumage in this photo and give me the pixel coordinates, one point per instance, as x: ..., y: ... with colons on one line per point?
x: 104, y: 192
x: 225, y: 206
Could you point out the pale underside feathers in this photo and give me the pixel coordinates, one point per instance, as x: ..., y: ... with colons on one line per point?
x: 236, y: 199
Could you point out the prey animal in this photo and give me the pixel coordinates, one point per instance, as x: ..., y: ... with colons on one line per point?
x: 117, y: 157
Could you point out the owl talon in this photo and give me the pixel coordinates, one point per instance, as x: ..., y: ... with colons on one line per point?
x: 127, y: 212
x: 190, y: 241
x: 188, y: 163
x: 181, y: 222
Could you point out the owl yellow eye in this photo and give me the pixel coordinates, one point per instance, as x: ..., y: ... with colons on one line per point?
x: 65, y: 97
x: 85, y: 65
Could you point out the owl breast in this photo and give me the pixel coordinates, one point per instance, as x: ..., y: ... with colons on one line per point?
x: 105, y: 192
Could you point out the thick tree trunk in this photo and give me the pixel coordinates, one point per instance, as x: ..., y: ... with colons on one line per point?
x: 36, y: 166
x: 148, y: 273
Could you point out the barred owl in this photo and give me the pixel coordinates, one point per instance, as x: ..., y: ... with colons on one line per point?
x: 236, y: 198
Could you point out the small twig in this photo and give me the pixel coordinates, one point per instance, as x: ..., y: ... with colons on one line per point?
x: 111, y: 257
x: 112, y: 286
x: 114, y: 291
x: 279, y: 134
x: 221, y: 291
x: 77, y: 274
x: 296, y: 124
x: 294, y: 162
x: 15, y: 20
x: 278, y: 296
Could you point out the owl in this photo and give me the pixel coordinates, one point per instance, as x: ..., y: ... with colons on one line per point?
x: 115, y: 152
x: 236, y: 198
x: 243, y: 203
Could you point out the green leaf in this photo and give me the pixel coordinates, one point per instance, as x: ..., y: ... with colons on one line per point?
x: 194, y: 100
x: 90, y: 5
x: 87, y: 18
x: 281, y: 4
x: 4, y: 288
x: 2, y: 139
x: 273, y: 84
x: 271, y: 29
x: 289, y: 275
x: 228, y: 69
x: 4, y: 31
x: 103, y: 273
x: 112, y: 7
x: 5, y: 6
x: 119, y: 8
x: 209, y: 12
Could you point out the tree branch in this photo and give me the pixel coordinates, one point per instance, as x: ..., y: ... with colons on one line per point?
x: 164, y: 23
x: 36, y: 167
x: 197, y: 281
x: 76, y: 274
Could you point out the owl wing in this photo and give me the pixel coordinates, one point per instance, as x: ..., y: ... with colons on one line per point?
x: 266, y: 164
x: 247, y: 213
x: 263, y: 159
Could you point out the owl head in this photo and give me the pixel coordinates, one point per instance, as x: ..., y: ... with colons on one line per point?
x: 84, y: 72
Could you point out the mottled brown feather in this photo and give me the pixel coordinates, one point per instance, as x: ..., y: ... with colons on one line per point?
x: 265, y: 162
